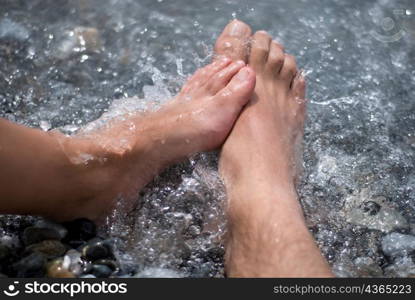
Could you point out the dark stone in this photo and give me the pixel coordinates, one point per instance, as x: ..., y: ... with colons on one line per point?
x: 49, y: 248
x: 76, y: 244
x: 43, y: 230
x: 107, y: 262
x: 4, y: 253
x: 33, y: 235
x: 55, y: 269
x: 101, y: 271
x: 95, y: 251
x: 30, y: 266
x: 110, y: 244
x: 370, y: 207
x: 216, y: 254
x: 128, y: 269
x: 412, y: 256
x: 86, y: 267
x: 10, y: 30
x: 80, y: 230
x: 52, y: 225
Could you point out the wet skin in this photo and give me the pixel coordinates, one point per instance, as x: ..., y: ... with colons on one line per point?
x: 259, y: 163
x: 251, y: 102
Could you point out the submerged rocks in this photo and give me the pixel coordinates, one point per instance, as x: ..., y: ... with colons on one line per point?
x: 78, y: 40
x: 79, y: 231
x: 367, y: 267
x: 59, y: 268
x: 43, y: 230
x: 373, y: 212
x: 44, y: 248
x: 4, y: 253
x: 101, y: 271
x: 10, y: 30
x: 49, y: 248
x: 95, y: 251
x: 33, y: 265
x: 75, y: 263
x: 397, y: 244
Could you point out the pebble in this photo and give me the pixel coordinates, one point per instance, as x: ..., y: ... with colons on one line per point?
x: 109, y: 263
x: 367, y: 267
x: 397, y: 244
x: 79, y: 40
x: 12, y: 30
x: 101, y: 271
x: 80, y: 230
x: 49, y: 248
x: 373, y: 212
x: 59, y: 269
x: 95, y: 251
x: 4, y: 253
x: 30, y: 266
x: 76, y: 264
x: 43, y: 230
x: 44, y: 248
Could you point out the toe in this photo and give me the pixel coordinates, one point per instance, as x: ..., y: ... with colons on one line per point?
x: 259, y: 50
x: 202, y: 75
x: 275, y: 58
x: 233, y: 41
x: 222, y: 78
x: 299, y: 90
x: 239, y: 90
x: 299, y: 87
x: 289, y: 68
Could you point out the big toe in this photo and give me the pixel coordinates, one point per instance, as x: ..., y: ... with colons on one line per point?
x: 239, y: 90
x: 234, y: 41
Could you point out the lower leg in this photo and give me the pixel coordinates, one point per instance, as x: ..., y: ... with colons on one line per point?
x: 82, y: 176
x: 267, y: 235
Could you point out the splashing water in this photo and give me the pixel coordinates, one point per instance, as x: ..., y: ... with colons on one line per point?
x: 62, y: 64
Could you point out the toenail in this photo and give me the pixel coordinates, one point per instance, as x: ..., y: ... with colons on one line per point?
x: 237, y: 29
x: 243, y: 74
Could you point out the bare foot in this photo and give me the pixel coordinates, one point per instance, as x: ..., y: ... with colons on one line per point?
x: 127, y: 153
x: 271, y: 125
x: 267, y: 232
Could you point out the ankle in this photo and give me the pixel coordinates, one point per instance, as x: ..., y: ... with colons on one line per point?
x: 95, y: 174
x: 253, y: 202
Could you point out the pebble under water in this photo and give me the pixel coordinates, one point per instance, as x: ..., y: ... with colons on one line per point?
x: 62, y: 64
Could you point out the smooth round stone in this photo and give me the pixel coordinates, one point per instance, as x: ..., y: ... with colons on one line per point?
x: 30, y: 266
x: 58, y: 269
x: 397, y: 244
x: 107, y: 262
x: 33, y: 235
x: 80, y: 230
x: 49, y: 248
x: 95, y: 251
x: 101, y: 271
x: 75, y: 263
x: 43, y: 230
x: 52, y: 225
x: 4, y: 253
